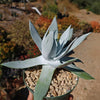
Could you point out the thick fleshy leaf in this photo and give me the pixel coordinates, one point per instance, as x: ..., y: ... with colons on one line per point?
x: 53, y: 27
x: 65, y: 36
x: 61, y: 63
x: 70, y: 34
x: 43, y: 83
x: 65, y: 63
x: 25, y: 63
x: 78, y: 41
x: 79, y: 72
x: 54, y: 50
x: 35, y: 35
x: 64, y: 51
x: 47, y: 45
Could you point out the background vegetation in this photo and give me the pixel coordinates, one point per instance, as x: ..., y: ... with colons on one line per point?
x: 92, y: 5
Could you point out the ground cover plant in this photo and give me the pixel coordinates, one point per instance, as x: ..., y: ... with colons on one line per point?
x: 79, y: 27
x: 50, y: 9
x: 19, y: 38
x: 96, y: 26
x: 8, y: 51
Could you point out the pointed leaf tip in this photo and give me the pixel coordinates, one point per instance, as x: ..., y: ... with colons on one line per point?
x: 78, y: 41
x: 53, y: 27
x: 79, y: 72
x: 25, y: 63
x: 35, y: 36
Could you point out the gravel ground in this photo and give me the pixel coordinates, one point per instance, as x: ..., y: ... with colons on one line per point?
x: 62, y: 82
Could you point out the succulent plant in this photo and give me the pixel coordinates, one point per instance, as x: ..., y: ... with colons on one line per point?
x: 53, y: 56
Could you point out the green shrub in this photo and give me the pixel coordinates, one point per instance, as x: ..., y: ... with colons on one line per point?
x: 95, y: 7
x: 85, y: 27
x: 91, y: 5
x: 3, y: 35
x: 19, y: 34
x: 96, y: 26
x: 82, y: 3
x: 6, y: 51
x: 50, y: 10
x: 41, y: 24
x: 67, y: 21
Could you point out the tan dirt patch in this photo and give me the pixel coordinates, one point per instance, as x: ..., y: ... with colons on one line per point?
x: 89, y: 53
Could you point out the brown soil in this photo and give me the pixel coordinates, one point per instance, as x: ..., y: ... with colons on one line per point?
x: 85, y: 16
x: 89, y: 53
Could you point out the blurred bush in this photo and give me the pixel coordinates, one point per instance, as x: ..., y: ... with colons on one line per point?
x: 92, y: 5
x: 31, y: 53
x: 42, y: 23
x: 95, y: 7
x: 19, y: 34
x: 67, y: 21
x: 50, y: 9
x: 85, y: 27
x: 96, y: 26
x: 8, y: 50
x: 3, y: 35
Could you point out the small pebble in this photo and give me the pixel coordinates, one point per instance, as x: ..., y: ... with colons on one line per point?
x: 62, y: 82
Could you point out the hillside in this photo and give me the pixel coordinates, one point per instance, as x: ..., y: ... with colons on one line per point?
x: 82, y: 14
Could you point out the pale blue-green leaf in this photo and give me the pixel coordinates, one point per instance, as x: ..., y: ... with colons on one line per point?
x: 43, y: 83
x: 79, y: 72
x: 65, y: 36
x: 70, y: 34
x: 62, y: 62
x: 78, y: 41
x: 35, y: 35
x: 25, y: 63
x: 54, y: 50
x: 53, y: 27
x: 65, y: 63
x: 47, y: 45
x: 64, y: 51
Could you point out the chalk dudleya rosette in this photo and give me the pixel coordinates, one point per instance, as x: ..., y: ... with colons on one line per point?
x: 53, y: 55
